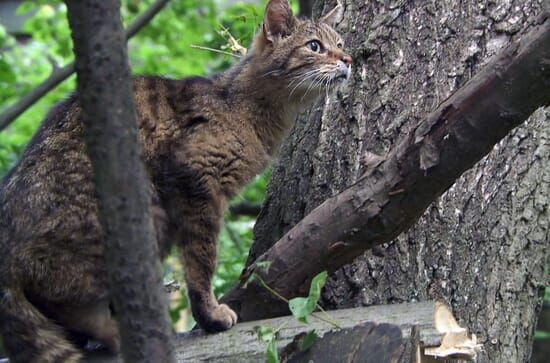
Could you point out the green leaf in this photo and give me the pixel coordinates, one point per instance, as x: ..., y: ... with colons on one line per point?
x: 307, y: 340
x: 301, y: 307
x: 265, y: 333
x: 272, y: 353
x: 316, y: 285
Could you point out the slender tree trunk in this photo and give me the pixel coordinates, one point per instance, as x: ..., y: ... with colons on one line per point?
x: 105, y: 95
x: 483, y: 246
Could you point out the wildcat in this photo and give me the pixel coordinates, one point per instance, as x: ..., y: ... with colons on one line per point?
x: 203, y: 139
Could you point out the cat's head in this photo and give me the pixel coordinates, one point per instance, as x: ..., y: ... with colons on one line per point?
x: 306, y: 57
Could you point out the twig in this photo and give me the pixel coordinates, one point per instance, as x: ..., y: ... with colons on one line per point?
x: 61, y: 74
x: 214, y: 50
x: 233, y: 43
x: 268, y: 288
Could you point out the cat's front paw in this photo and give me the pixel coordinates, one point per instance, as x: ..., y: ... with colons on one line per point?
x: 220, y: 318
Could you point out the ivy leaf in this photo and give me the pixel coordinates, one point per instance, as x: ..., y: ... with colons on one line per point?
x: 307, y: 340
x: 302, y: 307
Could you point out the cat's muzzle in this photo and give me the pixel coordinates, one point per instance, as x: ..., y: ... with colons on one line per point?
x: 343, y: 71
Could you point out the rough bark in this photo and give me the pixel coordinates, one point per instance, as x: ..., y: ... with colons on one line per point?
x: 483, y: 246
x: 306, y: 8
x: 105, y: 95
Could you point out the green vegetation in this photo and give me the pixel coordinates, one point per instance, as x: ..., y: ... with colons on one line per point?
x: 302, y: 308
x: 163, y: 47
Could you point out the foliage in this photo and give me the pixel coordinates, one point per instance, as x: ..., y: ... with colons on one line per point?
x: 301, y: 309
x: 269, y: 336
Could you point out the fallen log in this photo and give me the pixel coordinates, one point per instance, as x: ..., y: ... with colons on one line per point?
x: 425, y: 331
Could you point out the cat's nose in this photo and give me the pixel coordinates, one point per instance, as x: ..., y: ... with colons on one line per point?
x: 346, y: 59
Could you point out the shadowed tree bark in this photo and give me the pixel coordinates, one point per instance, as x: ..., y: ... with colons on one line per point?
x: 483, y: 245
x: 306, y: 8
x: 105, y: 94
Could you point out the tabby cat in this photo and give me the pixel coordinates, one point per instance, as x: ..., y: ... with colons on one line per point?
x: 203, y: 139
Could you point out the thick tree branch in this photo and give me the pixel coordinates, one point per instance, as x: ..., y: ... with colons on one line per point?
x: 105, y: 95
x: 399, y: 188
x: 61, y: 74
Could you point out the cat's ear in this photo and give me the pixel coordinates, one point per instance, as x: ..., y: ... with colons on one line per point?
x: 278, y: 20
x: 334, y: 16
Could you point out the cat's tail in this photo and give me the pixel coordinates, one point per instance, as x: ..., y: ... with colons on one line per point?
x: 28, y: 335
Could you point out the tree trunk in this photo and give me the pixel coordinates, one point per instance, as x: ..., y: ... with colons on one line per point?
x: 483, y: 246
x: 124, y: 200
x: 306, y: 7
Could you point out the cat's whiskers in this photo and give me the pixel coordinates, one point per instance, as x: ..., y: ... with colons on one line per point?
x: 314, y: 84
x: 310, y: 75
x: 302, y: 76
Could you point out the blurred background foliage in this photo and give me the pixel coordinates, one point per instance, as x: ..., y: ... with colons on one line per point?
x: 43, y: 43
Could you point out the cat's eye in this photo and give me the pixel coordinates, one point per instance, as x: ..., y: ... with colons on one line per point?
x: 315, y: 46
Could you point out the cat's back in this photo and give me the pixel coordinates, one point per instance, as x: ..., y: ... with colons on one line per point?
x: 50, y: 187
x: 174, y: 113
x: 201, y: 126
